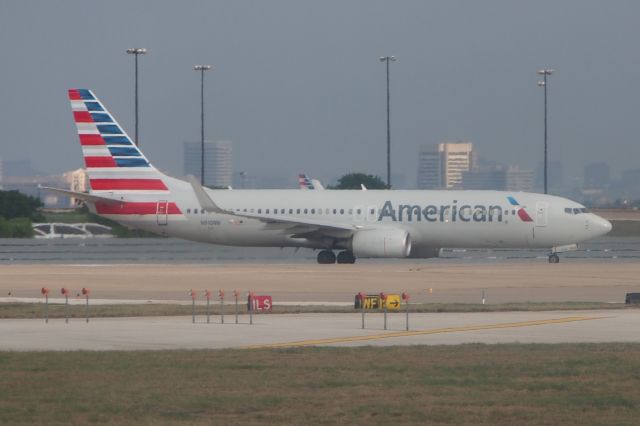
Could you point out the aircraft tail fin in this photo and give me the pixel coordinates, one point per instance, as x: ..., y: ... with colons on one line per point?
x: 306, y: 183
x: 113, y: 162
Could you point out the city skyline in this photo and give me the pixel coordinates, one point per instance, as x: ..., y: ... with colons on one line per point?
x: 287, y: 107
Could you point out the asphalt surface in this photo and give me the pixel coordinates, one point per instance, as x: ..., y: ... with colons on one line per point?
x: 329, y: 284
x: 294, y: 330
x: 528, y: 281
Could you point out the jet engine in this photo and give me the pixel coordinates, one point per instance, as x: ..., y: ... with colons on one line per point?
x: 381, y: 243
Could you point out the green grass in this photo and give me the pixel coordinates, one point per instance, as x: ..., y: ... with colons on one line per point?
x: 567, y: 384
x: 36, y: 310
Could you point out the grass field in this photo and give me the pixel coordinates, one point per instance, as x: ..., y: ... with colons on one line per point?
x: 36, y: 310
x: 568, y: 384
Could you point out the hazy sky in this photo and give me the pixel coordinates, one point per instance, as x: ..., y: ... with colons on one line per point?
x: 297, y: 85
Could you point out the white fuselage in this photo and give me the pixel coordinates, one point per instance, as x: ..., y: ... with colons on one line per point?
x: 433, y: 219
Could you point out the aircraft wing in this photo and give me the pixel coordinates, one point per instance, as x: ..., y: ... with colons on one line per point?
x: 297, y: 227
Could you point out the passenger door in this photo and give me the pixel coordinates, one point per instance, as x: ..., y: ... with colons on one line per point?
x: 542, y: 211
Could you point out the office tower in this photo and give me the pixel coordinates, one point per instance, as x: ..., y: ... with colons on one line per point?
x: 218, y: 162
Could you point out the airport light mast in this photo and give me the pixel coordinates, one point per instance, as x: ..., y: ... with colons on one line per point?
x: 202, y: 69
x: 388, y: 59
x: 544, y: 73
x: 136, y: 51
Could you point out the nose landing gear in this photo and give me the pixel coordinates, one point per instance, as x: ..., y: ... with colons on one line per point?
x: 554, y: 258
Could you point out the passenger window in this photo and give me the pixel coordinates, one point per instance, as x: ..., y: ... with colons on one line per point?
x: 506, y: 212
x: 195, y: 211
x: 306, y: 211
x: 350, y: 211
x: 335, y: 211
x: 326, y: 211
x: 298, y: 211
x: 371, y: 211
x: 319, y: 211
x: 313, y: 211
x: 290, y: 211
x: 188, y: 211
x: 259, y: 211
x: 281, y: 211
x: 341, y: 211
x: 202, y: 211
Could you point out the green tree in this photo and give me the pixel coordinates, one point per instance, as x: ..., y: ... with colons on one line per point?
x: 354, y: 180
x: 14, y: 204
x: 20, y: 228
x: 5, y: 231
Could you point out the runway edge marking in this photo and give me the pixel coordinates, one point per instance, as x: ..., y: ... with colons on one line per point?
x: 328, y: 341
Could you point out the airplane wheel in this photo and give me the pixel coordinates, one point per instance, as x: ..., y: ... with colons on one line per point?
x: 554, y: 258
x: 346, y: 257
x: 326, y: 257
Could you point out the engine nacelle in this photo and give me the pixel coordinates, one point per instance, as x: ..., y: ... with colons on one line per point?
x: 381, y: 243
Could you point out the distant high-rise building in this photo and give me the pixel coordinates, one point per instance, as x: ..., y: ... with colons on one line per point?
x: 429, y: 173
x: 555, y: 176
x: 77, y: 180
x: 456, y: 158
x: 218, y: 157
x: 499, y: 178
x: 442, y: 167
x: 518, y: 180
x: 596, y: 175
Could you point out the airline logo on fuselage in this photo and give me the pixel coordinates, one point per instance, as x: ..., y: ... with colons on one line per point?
x: 447, y: 212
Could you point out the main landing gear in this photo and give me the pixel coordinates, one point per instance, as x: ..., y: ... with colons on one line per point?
x: 554, y: 258
x: 327, y: 257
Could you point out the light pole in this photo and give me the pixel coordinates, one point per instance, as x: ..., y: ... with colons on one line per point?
x: 544, y: 73
x: 136, y: 51
x: 202, y: 69
x: 388, y: 59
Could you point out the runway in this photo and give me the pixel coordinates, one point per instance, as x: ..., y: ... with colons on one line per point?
x: 287, y: 331
x: 528, y: 281
x: 325, y: 284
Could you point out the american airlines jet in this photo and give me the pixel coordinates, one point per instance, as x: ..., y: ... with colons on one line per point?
x: 127, y: 188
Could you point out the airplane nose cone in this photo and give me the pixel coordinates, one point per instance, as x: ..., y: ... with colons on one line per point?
x: 601, y: 226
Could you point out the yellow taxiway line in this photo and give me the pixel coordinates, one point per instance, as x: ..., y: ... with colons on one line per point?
x: 330, y: 341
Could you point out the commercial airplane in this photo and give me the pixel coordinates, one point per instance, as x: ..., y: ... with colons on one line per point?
x: 126, y: 188
x: 307, y: 183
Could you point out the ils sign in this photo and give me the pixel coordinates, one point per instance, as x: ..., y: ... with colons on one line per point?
x: 260, y: 303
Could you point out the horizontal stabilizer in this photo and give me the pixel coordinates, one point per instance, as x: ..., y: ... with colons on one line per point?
x: 83, y: 196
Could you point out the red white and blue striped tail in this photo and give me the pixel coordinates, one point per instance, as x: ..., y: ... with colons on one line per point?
x: 113, y: 162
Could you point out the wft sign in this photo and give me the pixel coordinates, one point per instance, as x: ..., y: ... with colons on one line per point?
x: 259, y: 303
x: 374, y: 301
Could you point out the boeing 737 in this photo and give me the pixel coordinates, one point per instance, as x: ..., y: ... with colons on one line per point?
x: 127, y: 188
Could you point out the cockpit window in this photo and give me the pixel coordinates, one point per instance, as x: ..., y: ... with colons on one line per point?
x: 575, y: 210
